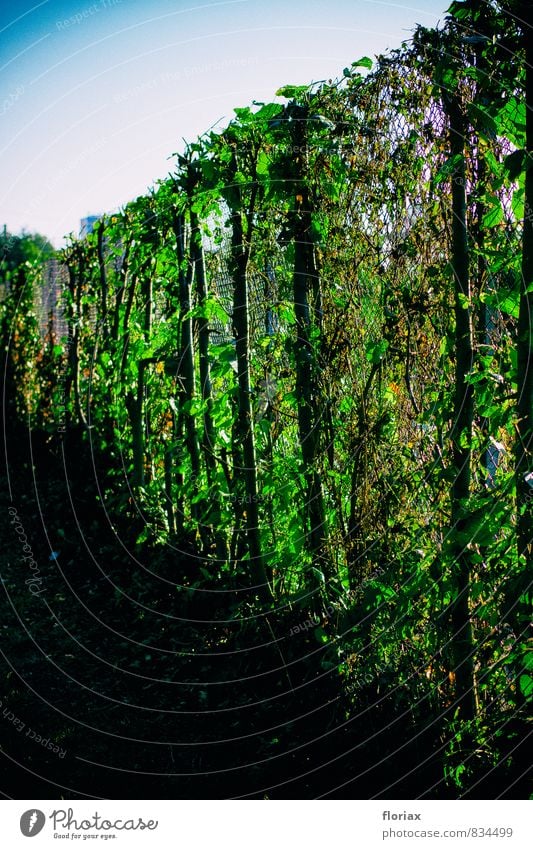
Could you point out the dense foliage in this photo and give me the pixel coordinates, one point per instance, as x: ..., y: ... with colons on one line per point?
x: 301, y: 368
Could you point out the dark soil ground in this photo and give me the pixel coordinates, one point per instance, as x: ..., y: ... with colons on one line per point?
x: 152, y: 692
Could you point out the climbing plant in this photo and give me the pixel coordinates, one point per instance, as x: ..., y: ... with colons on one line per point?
x: 306, y: 359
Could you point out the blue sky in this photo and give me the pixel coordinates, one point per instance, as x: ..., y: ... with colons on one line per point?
x: 95, y: 95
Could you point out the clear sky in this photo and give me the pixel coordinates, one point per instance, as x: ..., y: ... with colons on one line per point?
x: 95, y: 95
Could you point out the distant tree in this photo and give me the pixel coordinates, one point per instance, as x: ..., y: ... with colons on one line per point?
x: 21, y: 256
x: 18, y: 249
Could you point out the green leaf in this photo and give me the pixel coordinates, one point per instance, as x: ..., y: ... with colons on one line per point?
x: 482, y: 121
x: 505, y: 300
x: 511, y: 121
x: 143, y: 536
x: 268, y: 111
x: 292, y: 92
x: 262, y: 167
x: 224, y: 353
x: 527, y: 660
x: 318, y: 574
x: 364, y: 62
x: 446, y: 170
x: 494, y: 216
x: 243, y: 114
x: 514, y: 163
x: 320, y: 635
x: 375, y: 352
x: 526, y: 686
x: 319, y: 228
x: 447, y: 77
x: 459, y: 10
x: 286, y: 313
